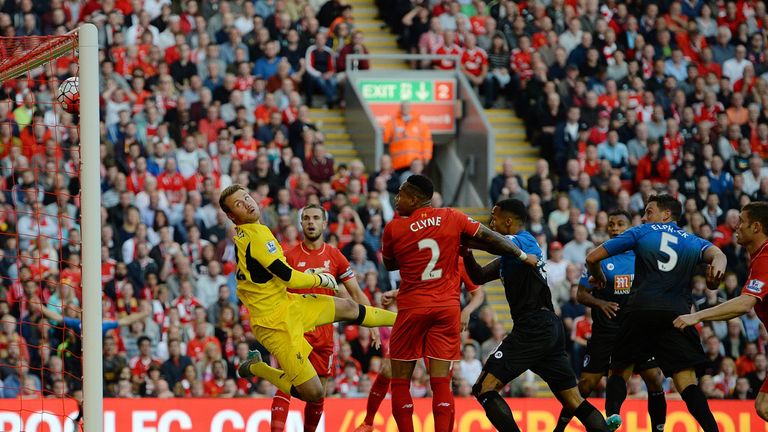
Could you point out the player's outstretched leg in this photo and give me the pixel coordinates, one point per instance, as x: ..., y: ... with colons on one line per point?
x: 378, y: 392
x: 486, y: 391
x: 587, y: 382
x: 254, y: 366
x: 616, y: 390
x: 281, y: 402
x: 657, y: 403
x: 308, y: 391
x: 366, y: 316
x: 694, y: 399
x: 587, y: 414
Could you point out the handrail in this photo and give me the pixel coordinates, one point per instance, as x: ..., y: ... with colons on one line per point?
x: 352, y: 57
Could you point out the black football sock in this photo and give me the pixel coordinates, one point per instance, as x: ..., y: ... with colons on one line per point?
x: 615, y: 393
x: 566, y: 416
x: 657, y: 409
x: 591, y: 418
x: 563, y: 420
x: 697, y: 405
x: 498, y: 412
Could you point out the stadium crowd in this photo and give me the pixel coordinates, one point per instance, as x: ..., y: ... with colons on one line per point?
x: 622, y: 99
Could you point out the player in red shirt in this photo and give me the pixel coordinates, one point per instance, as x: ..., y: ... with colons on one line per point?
x: 752, y: 234
x: 314, y: 253
x: 380, y: 386
x: 423, y: 243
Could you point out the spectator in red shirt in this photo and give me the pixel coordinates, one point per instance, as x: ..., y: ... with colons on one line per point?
x: 521, y: 59
x: 264, y: 111
x: 581, y: 333
x: 449, y: 47
x: 214, y: 386
x: 355, y: 47
x: 197, y: 346
x: 723, y: 235
x: 653, y: 166
x: 319, y: 167
x: 474, y: 61
x: 211, y: 124
x: 187, y: 302
x: 140, y: 364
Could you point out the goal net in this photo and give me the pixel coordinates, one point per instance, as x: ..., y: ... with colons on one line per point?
x: 50, y: 303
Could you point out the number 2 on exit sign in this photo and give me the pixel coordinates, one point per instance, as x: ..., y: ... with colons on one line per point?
x: 444, y: 90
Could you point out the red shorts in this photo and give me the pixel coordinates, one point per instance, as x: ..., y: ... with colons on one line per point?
x: 426, y: 332
x: 321, y: 356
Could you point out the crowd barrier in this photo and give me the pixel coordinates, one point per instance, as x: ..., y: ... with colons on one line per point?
x: 341, y: 415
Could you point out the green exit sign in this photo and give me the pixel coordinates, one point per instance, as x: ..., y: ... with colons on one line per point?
x: 399, y: 90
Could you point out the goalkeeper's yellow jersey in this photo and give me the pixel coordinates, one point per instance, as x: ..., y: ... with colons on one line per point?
x: 257, y: 250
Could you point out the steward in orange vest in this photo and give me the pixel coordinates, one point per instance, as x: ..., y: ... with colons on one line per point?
x: 408, y: 139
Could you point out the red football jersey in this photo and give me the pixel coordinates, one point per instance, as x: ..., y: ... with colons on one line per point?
x: 757, y: 282
x: 331, y: 259
x: 473, y: 60
x: 426, y: 246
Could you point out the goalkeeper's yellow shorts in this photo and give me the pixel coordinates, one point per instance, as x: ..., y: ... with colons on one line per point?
x: 284, y: 336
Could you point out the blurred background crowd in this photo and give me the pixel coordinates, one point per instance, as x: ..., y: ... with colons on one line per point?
x: 623, y: 100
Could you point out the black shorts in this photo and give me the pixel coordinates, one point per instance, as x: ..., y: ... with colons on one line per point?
x: 536, y: 342
x: 597, y: 358
x: 647, y: 333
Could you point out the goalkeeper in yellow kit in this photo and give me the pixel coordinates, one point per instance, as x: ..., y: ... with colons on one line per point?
x: 279, y: 319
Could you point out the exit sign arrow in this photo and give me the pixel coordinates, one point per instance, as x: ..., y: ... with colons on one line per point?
x: 422, y: 93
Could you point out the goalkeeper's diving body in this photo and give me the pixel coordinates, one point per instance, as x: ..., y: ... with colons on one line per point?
x: 279, y: 319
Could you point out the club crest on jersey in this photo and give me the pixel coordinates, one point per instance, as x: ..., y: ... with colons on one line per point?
x: 587, y: 358
x: 271, y: 247
x: 755, y: 286
x: 499, y: 354
x: 327, y: 264
x: 622, y: 284
x: 610, y: 266
x: 301, y: 264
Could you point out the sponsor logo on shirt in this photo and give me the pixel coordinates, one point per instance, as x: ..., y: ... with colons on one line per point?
x: 622, y: 284
x: 755, y: 286
x: 271, y: 247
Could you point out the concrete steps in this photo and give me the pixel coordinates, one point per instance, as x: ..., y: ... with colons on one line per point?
x: 332, y: 124
x: 510, y: 141
x: 378, y: 39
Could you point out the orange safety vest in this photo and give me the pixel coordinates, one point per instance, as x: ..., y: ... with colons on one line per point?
x: 408, y: 141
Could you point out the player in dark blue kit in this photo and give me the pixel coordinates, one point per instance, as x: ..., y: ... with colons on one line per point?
x: 666, y: 258
x: 607, y: 305
x: 537, y: 341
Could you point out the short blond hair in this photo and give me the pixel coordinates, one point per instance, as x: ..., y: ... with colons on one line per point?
x: 229, y: 190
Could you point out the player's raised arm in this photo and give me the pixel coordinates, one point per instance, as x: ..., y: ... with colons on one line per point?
x: 733, y: 308
x: 263, y: 248
x: 490, y: 241
x: 716, y: 269
x: 480, y: 274
x: 593, y: 263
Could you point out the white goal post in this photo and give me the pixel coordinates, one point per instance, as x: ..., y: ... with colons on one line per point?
x: 90, y: 190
